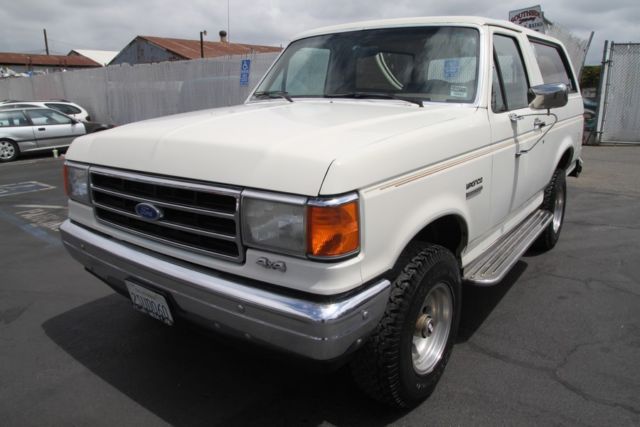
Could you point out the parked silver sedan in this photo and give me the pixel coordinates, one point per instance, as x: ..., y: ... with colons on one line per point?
x: 34, y: 129
x: 69, y: 108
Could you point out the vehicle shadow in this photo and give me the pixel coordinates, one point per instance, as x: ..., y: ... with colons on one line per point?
x: 187, y: 376
x: 478, y: 302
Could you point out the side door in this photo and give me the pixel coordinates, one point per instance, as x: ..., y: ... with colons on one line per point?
x: 15, y: 126
x: 554, y: 67
x: 513, y: 129
x: 53, y: 129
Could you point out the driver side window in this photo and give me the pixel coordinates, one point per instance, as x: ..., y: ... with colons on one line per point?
x: 511, y: 74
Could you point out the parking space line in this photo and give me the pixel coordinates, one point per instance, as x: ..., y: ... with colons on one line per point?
x: 41, y: 206
x: 23, y: 187
x: 29, y: 228
x: 29, y: 162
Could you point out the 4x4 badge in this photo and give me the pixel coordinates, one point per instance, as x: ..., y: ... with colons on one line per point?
x: 273, y: 265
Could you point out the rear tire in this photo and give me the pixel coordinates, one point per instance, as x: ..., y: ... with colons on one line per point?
x: 9, y: 150
x: 405, y: 357
x: 555, y: 201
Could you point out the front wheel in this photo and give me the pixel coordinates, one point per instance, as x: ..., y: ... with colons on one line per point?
x: 555, y: 201
x: 8, y: 150
x: 402, y: 362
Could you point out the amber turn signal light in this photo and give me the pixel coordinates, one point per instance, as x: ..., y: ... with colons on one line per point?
x: 333, y: 230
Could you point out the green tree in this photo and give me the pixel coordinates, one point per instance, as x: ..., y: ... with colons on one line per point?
x: 590, y: 76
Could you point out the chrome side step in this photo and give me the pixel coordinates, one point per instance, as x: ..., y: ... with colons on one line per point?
x: 491, y: 267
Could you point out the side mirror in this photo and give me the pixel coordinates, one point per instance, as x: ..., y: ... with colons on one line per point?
x: 548, y: 96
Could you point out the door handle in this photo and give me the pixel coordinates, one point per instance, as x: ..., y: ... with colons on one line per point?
x: 42, y: 128
x: 538, y: 124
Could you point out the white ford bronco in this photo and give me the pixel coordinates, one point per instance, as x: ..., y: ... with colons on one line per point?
x: 335, y: 213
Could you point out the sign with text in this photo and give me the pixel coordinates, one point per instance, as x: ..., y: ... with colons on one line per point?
x: 245, y: 69
x: 530, y: 17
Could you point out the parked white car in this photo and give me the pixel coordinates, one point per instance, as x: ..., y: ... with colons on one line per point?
x: 335, y: 214
x: 71, y: 109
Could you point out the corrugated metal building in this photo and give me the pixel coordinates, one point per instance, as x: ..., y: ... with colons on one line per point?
x: 22, y: 62
x: 147, y: 49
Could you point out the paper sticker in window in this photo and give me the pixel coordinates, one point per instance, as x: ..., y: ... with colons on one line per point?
x: 451, y: 68
x: 458, y: 91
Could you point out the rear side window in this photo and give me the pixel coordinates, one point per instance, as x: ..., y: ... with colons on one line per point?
x: 511, y: 74
x: 64, y: 108
x: 13, y: 118
x: 48, y: 117
x: 554, y: 66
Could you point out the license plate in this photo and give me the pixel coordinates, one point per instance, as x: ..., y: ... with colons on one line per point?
x: 149, y: 302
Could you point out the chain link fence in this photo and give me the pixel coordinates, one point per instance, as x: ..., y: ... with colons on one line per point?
x: 123, y: 94
x: 619, y: 106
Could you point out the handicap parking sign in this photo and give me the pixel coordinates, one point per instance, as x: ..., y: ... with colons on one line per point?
x: 245, y: 69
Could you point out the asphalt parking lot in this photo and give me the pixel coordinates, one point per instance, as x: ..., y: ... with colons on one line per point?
x: 555, y: 343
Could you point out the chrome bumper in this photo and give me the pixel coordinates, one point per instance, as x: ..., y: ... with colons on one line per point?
x: 318, y: 330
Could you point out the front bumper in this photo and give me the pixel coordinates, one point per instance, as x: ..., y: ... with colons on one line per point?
x: 321, y: 330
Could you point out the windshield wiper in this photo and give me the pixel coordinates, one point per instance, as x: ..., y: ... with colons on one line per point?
x: 374, y: 95
x: 273, y: 94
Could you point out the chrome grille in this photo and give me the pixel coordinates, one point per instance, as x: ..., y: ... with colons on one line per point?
x: 197, y: 217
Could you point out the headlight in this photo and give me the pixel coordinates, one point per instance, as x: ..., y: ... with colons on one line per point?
x: 76, y: 182
x: 318, y: 228
x: 274, y: 222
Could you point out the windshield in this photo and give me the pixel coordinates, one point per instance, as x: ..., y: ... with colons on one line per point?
x: 435, y: 63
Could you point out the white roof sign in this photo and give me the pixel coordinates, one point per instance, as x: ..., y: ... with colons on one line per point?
x: 530, y: 17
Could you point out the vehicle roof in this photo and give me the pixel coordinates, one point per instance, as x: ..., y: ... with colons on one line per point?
x: 420, y: 21
x: 55, y: 101
x: 12, y: 103
x: 35, y: 107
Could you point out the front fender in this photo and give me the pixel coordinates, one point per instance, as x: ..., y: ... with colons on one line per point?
x: 393, y: 217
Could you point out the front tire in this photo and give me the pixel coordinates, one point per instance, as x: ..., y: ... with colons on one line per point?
x: 555, y: 201
x: 402, y: 362
x: 8, y: 151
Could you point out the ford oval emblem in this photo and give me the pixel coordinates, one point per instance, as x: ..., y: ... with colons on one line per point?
x: 148, y: 211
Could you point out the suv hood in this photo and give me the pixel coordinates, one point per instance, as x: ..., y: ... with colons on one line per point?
x: 273, y: 145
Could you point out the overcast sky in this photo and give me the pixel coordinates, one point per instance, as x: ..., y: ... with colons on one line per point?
x: 111, y: 24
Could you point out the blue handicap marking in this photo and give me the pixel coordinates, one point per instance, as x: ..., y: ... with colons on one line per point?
x: 23, y: 187
x: 245, y: 70
x: 451, y: 68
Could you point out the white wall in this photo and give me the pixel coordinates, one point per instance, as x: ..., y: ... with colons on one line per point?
x: 122, y: 94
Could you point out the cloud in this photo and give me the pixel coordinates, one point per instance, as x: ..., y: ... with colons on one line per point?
x: 92, y: 24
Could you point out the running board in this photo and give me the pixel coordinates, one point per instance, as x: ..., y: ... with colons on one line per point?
x: 491, y: 267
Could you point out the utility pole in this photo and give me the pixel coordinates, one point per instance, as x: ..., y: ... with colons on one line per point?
x: 202, y: 33
x: 46, y: 42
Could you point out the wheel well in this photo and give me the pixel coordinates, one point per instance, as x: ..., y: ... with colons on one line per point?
x: 565, y: 160
x: 449, y: 231
x: 10, y: 140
